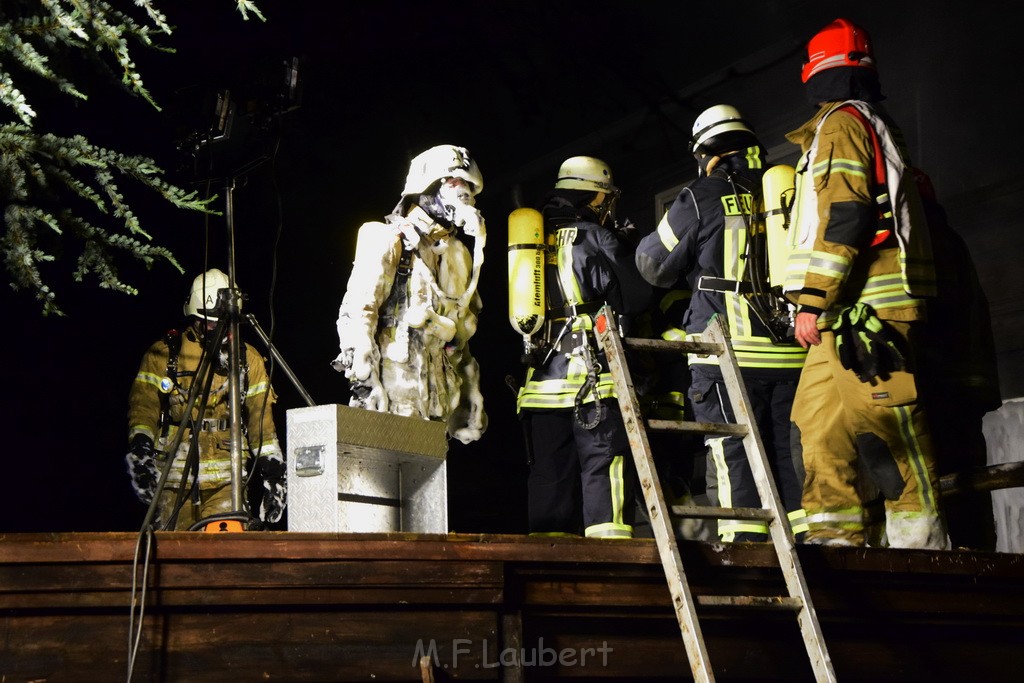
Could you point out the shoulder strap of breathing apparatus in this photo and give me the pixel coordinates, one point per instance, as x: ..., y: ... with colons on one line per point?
x: 173, y: 341
x: 885, y: 219
x: 170, y: 381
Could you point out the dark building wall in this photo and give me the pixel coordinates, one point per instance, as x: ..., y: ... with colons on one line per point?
x: 947, y: 72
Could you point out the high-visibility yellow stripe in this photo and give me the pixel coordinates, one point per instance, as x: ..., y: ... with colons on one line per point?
x: 851, y: 167
x: 753, y: 156
x: 618, y: 486
x: 665, y: 234
x: 609, y: 530
x: 916, y: 457
x: 149, y: 378
x: 570, y: 288
x: 828, y: 265
x: 846, y: 519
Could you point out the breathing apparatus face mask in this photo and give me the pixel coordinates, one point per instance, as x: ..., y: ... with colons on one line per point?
x: 447, y: 204
x: 203, y: 329
x: 455, y: 191
x: 606, y: 209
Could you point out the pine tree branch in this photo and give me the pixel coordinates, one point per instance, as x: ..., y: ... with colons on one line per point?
x: 49, y: 182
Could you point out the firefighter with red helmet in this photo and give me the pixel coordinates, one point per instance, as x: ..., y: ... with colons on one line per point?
x: 707, y: 239
x: 581, y: 475
x: 411, y: 304
x: 860, y: 271
x: 199, y: 482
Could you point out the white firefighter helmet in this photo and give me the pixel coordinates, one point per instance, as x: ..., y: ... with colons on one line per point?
x: 720, y: 128
x: 437, y: 163
x: 585, y: 173
x: 202, y: 298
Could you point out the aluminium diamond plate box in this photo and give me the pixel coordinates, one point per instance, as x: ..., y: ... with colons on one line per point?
x: 356, y: 470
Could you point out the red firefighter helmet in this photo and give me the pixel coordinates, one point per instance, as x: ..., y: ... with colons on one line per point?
x: 841, y: 43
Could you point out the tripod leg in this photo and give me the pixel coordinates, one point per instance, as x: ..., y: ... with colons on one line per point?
x: 279, y: 359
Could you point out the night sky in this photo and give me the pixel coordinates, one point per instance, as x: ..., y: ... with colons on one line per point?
x: 514, y: 81
x: 380, y: 83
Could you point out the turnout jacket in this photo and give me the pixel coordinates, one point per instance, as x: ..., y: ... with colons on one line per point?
x: 157, y: 401
x: 404, y: 325
x: 587, y: 265
x: 704, y: 234
x: 840, y: 208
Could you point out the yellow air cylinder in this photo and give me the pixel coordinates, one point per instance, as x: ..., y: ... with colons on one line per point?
x: 526, y: 272
x: 778, y: 186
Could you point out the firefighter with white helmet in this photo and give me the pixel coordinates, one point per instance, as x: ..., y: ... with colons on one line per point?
x: 860, y: 271
x: 199, y: 483
x: 712, y: 237
x: 411, y: 303
x: 581, y: 474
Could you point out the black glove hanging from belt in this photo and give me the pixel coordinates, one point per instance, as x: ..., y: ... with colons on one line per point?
x: 864, y: 346
x: 142, y: 467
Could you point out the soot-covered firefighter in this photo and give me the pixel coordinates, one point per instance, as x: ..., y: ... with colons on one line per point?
x: 411, y: 304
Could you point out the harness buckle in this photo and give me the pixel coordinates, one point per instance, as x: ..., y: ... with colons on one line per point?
x: 214, y: 424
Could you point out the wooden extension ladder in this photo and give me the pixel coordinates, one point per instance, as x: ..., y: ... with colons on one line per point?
x: 715, y: 341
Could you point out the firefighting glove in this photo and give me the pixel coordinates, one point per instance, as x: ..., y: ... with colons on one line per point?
x: 863, y: 346
x: 142, y: 468
x: 275, y: 488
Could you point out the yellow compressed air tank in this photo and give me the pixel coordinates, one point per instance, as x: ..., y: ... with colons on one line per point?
x: 778, y: 185
x: 526, y: 272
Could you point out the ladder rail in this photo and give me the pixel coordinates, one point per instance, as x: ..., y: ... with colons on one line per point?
x: 778, y: 528
x: 661, y: 521
x: 715, y: 341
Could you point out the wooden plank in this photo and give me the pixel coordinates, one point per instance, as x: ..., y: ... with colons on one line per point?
x: 349, y: 609
x: 286, y: 545
x: 309, y: 646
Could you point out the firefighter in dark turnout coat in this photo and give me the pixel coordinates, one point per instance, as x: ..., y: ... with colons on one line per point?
x: 581, y: 474
x: 703, y: 240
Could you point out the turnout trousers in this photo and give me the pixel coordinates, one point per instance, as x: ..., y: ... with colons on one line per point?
x: 859, y: 439
x: 730, y: 482
x: 581, y: 480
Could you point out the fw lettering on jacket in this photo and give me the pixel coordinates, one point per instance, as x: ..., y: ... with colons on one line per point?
x: 735, y: 205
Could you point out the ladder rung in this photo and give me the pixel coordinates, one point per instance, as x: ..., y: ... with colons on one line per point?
x: 697, y: 427
x: 707, y: 512
x: 758, y: 601
x: 698, y: 347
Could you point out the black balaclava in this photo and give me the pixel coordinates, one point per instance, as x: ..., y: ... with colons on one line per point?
x: 568, y: 204
x: 844, y: 83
